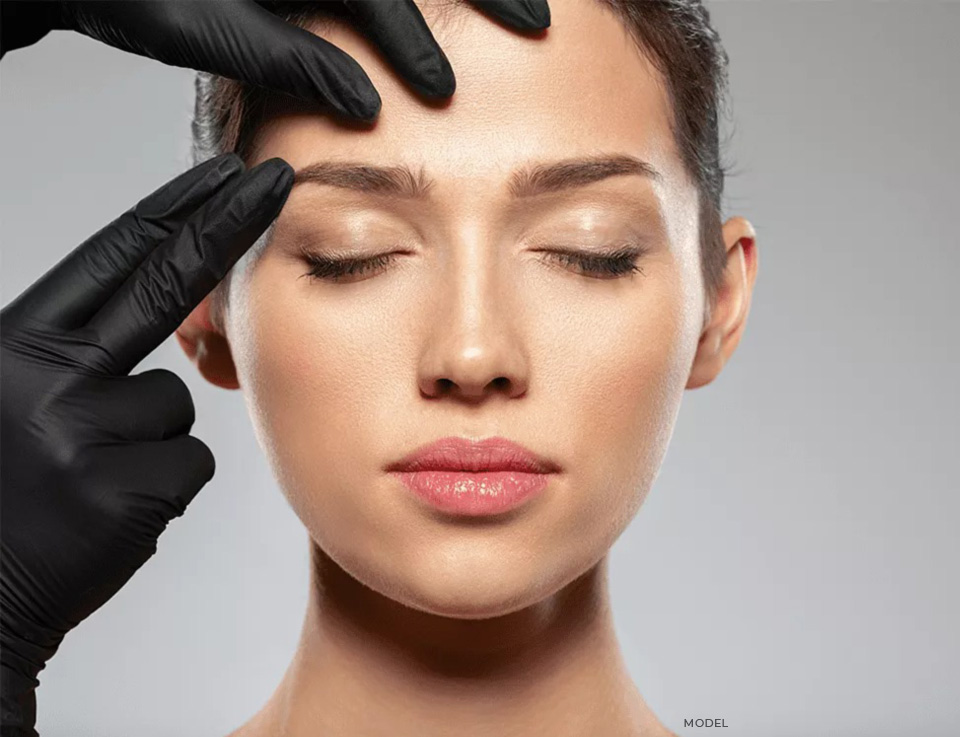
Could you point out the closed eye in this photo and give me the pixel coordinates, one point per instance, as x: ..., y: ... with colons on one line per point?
x: 617, y: 264
x: 345, y: 269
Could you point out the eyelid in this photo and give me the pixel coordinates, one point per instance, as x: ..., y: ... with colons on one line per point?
x: 600, y: 265
x: 612, y: 249
x: 344, y: 254
x: 608, y: 248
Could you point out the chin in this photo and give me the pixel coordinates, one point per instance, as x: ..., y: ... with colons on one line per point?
x: 482, y: 586
x: 462, y: 603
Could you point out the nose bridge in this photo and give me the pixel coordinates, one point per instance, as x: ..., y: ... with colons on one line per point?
x: 474, y: 346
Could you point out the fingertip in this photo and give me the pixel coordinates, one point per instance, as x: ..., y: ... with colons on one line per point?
x: 273, y: 169
x: 211, y: 466
x: 354, y: 104
x: 282, y: 173
x: 277, y: 163
x: 284, y: 180
x: 434, y: 75
x: 440, y: 79
x: 539, y: 12
x: 525, y: 15
x: 229, y: 164
x: 448, y: 88
x: 366, y: 106
x: 272, y: 180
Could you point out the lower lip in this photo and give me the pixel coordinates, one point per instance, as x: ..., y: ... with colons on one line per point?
x: 476, y: 494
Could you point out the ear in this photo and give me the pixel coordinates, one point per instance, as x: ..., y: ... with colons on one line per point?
x: 206, y: 346
x: 723, y: 328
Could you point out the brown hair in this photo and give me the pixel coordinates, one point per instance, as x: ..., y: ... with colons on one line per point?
x: 675, y: 36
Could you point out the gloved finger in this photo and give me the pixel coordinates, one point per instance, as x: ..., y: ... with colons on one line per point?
x: 77, y: 286
x: 150, y: 405
x: 399, y: 30
x: 151, y: 483
x: 527, y: 15
x: 236, y: 39
x: 179, y: 273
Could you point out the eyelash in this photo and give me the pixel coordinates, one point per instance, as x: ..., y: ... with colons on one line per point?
x: 617, y: 264
x: 614, y: 265
x: 332, y: 269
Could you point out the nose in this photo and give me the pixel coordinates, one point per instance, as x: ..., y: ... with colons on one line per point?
x: 474, y: 348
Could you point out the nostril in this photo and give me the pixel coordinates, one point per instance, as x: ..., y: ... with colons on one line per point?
x: 443, y: 387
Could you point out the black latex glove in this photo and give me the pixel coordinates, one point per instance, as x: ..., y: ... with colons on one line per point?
x: 242, y: 40
x: 95, y: 462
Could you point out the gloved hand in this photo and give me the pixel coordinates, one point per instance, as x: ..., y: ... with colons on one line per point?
x: 242, y: 40
x: 95, y: 462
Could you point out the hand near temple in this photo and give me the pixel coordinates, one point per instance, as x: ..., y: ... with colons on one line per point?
x: 95, y: 461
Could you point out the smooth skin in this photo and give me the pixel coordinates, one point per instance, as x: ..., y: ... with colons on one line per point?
x: 426, y: 624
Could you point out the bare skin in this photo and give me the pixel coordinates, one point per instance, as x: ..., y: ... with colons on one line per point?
x: 367, y: 665
x: 426, y: 624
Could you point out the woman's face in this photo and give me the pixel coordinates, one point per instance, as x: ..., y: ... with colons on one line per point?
x: 471, y: 329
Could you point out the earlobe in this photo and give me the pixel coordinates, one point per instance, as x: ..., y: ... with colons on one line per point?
x: 721, y: 334
x: 207, y: 348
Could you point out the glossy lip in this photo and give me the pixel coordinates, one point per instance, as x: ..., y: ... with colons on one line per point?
x: 474, y: 478
x: 462, y: 454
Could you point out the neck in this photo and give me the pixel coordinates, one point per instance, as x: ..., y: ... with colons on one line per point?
x: 366, y: 664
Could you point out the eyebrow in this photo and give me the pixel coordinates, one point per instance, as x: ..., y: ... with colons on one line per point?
x: 400, y: 181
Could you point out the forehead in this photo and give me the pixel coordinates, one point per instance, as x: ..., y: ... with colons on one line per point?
x: 582, y: 88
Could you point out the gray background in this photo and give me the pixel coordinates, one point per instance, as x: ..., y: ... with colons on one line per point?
x: 794, y: 570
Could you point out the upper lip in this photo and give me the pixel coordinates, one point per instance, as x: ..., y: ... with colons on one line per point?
x: 462, y: 454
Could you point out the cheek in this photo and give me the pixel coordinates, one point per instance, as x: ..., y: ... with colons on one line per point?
x: 293, y: 365
x: 621, y: 372
x: 327, y: 379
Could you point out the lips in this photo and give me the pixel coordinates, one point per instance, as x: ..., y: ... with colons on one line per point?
x: 474, y: 478
x: 461, y: 454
